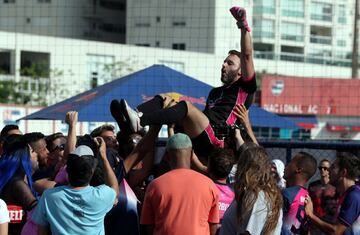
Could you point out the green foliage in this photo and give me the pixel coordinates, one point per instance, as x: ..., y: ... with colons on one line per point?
x: 34, y: 88
x: 36, y: 70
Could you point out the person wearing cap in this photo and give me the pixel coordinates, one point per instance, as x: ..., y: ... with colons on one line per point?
x: 78, y: 208
x: 277, y: 170
x: 181, y: 201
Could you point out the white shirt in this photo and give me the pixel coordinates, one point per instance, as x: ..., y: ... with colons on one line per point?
x: 4, y: 213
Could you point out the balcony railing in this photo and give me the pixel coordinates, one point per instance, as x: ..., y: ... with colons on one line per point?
x: 320, y: 39
x: 292, y: 13
x: 262, y: 34
x: 258, y: 10
x: 311, y: 59
x: 321, y: 17
x: 290, y: 37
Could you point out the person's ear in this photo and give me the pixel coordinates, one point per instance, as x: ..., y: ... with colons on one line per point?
x: 343, y: 172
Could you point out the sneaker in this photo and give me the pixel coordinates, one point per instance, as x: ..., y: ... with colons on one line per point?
x: 115, y: 110
x: 132, y: 117
x: 239, y: 14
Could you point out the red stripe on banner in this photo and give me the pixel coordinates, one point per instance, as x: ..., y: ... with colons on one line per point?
x: 306, y: 125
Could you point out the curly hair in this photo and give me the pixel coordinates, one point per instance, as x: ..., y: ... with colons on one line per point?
x: 254, y: 175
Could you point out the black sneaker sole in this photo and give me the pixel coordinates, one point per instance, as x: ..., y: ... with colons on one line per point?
x: 115, y: 110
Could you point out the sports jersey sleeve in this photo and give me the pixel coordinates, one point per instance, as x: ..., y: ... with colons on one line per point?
x: 249, y: 84
x: 286, y: 201
x: 350, y: 209
x: 147, y: 212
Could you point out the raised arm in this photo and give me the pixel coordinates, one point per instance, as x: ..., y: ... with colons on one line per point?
x: 109, y: 175
x: 71, y: 119
x: 243, y: 115
x: 246, y: 59
x: 145, y: 145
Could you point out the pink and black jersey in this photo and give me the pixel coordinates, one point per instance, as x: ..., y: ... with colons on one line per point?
x: 226, y: 196
x: 222, y: 100
x: 349, y: 210
x: 294, y: 211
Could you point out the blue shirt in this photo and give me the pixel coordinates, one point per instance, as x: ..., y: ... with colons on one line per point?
x: 74, y: 211
x: 349, y: 211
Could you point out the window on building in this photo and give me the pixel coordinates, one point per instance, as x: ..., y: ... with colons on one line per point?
x: 158, y: 19
x: 264, y: 51
x: 320, y: 34
x: 341, y: 43
x: 112, y: 4
x: 321, y: 11
x: 157, y: 43
x: 292, y: 31
x: 142, y: 44
x: 9, y: 1
x: 44, y: 1
x: 179, y: 46
x: 112, y: 28
x: 319, y: 56
x: 99, y: 69
x: 179, y: 22
x: 291, y: 53
x: 263, y: 28
x: 264, y: 7
x: 342, y: 14
x: 5, y: 61
x: 292, y: 8
x: 142, y: 22
x: 34, y: 64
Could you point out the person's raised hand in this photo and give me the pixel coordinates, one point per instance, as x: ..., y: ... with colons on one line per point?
x: 101, y: 145
x: 242, y: 114
x: 71, y: 118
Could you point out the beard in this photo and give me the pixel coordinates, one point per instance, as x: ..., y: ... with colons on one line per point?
x: 228, y: 78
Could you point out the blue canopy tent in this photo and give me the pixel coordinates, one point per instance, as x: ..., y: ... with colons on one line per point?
x: 93, y: 105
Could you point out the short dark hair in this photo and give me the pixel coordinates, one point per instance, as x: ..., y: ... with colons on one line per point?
x: 98, y: 130
x: 351, y: 163
x: 50, y: 138
x: 80, y: 169
x: 235, y: 52
x: 220, y: 163
x: 32, y: 137
x: 307, y: 163
x: 6, y: 129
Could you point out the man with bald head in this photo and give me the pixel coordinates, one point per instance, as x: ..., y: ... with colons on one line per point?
x: 181, y: 201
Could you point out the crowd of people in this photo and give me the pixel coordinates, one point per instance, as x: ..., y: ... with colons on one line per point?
x: 213, y: 178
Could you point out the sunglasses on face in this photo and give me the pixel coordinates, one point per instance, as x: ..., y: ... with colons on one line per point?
x: 60, y: 147
x: 323, y: 168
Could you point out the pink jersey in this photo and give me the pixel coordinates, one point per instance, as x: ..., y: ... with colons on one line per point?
x: 294, y: 210
x: 226, y: 196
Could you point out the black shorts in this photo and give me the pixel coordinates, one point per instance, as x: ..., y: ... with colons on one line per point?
x: 204, y: 143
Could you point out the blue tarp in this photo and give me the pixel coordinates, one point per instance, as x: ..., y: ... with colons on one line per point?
x: 93, y: 105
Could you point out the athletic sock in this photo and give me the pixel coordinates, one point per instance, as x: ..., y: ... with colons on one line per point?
x: 152, y: 105
x: 170, y: 115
